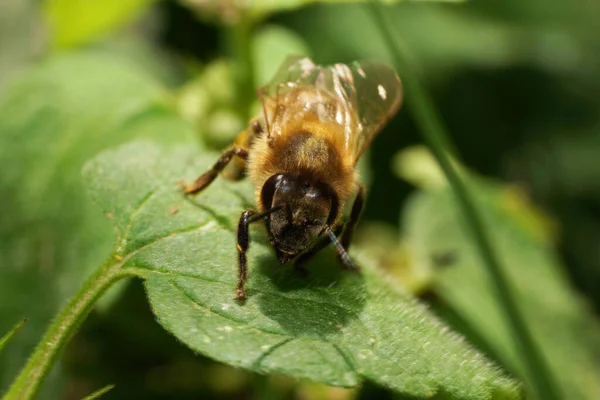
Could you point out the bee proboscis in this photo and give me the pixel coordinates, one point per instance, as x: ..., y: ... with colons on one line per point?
x: 301, y: 153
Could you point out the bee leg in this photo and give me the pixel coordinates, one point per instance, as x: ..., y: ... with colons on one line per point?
x: 236, y: 169
x: 357, y: 208
x: 243, y: 242
x: 203, y: 181
x: 307, y: 255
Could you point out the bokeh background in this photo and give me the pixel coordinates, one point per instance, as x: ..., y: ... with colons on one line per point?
x: 517, y: 84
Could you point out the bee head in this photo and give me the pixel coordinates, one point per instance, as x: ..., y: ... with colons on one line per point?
x: 306, y: 208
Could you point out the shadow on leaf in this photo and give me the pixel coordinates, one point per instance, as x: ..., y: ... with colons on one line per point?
x: 317, y: 305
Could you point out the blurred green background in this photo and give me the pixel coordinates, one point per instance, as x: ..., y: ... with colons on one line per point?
x: 517, y: 83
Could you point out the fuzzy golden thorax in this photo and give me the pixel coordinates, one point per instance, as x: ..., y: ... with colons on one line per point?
x: 314, y: 151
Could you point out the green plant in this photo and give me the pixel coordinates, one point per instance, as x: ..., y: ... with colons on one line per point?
x: 332, y: 327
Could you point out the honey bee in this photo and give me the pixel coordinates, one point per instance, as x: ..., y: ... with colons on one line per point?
x: 301, y: 153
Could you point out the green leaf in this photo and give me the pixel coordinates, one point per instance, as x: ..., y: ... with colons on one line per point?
x: 334, y: 327
x: 75, y: 22
x: 4, y: 339
x: 561, y: 323
x: 443, y: 39
x: 52, y: 119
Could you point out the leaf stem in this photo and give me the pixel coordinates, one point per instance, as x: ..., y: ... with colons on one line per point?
x: 439, y: 142
x: 62, y: 329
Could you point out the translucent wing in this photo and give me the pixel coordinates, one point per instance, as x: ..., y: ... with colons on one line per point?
x: 360, y: 98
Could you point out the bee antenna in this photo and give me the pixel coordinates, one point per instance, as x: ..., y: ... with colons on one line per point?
x: 340, y: 249
x: 265, y: 213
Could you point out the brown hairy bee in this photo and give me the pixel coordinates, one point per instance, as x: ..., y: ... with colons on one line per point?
x: 301, y: 155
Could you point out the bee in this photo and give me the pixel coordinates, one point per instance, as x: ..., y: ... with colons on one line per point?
x: 301, y: 152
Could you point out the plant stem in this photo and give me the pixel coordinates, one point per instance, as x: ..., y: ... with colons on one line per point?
x: 62, y: 329
x: 239, y: 39
x: 438, y: 141
x: 98, y: 393
x: 11, y: 333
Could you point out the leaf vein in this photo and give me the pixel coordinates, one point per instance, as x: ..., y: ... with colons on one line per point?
x: 347, y: 358
x: 201, y: 309
x: 136, y: 210
x: 274, y: 293
x: 196, y: 228
x: 258, y: 362
x: 224, y: 316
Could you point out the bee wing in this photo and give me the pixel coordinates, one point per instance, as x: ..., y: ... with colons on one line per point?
x: 378, y: 93
x: 361, y: 97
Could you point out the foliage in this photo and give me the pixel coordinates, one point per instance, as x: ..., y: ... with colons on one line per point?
x: 75, y: 22
x: 517, y: 85
x: 52, y: 119
x: 331, y: 328
x: 557, y: 317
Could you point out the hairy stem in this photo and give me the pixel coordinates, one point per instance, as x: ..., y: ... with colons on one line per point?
x: 62, y: 329
x: 440, y: 144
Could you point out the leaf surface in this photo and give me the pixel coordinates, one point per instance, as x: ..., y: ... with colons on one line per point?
x: 334, y: 327
x: 52, y: 119
x: 562, y: 325
x: 76, y: 22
